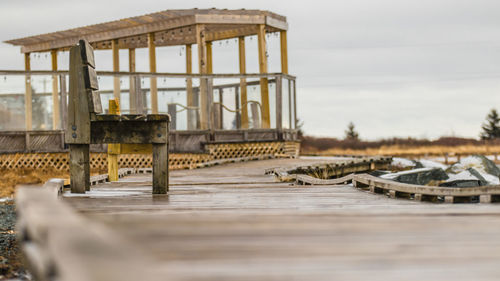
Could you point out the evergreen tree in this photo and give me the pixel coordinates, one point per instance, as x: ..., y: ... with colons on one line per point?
x: 350, y: 133
x: 491, y: 129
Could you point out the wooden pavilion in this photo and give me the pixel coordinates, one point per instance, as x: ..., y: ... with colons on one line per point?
x: 266, y: 127
x: 167, y: 28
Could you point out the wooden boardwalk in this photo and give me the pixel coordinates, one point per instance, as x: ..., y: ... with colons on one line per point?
x: 233, y: 222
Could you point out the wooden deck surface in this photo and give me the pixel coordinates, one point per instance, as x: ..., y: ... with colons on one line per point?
x: 232, y: 222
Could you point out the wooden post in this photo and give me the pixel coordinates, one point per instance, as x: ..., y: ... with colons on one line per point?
x: 284, y: 52
x: 55, y: 94
x: 152, y: 69
x: 209, y: 58
x: 113, y: 148
x: 209, y: 82
x: 116, y: 68
x: 191, y: 118
x: 172, y: 111
x: 63, y: 101
x: 202, y: 61
x: 290, y: 104
x: 279, y: 104
x: 256, y: 122
x: 139, y: 96
x: 264, y: 85
x: 160, y: 168
x: 28, y: 94
x: 131, y: 91
x: 79, y: 168
x: 243, y: 83
x: 295, y: 121
x: 237, y: 107
x: 221, y: 109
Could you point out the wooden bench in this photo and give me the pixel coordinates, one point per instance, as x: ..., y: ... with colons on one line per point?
x: 87, y: 125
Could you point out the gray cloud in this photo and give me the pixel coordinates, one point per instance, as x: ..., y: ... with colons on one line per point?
x: 394, y: 67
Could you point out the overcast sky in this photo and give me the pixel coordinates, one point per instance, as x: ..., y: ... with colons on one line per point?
x: 420, y: 68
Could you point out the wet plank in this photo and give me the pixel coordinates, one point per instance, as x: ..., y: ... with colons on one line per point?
x: 233, y: 222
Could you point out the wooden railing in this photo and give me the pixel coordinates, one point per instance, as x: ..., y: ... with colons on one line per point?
x: 208, y: 116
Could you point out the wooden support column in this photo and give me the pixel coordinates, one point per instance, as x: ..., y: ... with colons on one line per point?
x: 264, y: 85
x: 79, y: 168
x: 131, y: 91
x: 160, y: 168
x: 202, y: 61
x: 295, y: 120
x: 209, y: 58
x: 152, y: 69
x: 113, y: 148
x: 243, y: 83
x: 28, y: 94
x: 279, y: 103
x: 63, y: 101
x: 237, y: 107
x: 116, y: 68
x: 284, y: 52
x: 56, y: 111
x: 190, y: 102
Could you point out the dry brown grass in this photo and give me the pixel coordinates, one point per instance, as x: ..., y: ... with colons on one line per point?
x: 397, y: 150
x: 9, y: 179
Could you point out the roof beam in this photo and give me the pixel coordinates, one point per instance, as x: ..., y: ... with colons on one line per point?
x: 113, y: 34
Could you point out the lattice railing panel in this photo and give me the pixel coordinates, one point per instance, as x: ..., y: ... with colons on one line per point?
x: 98, y: 161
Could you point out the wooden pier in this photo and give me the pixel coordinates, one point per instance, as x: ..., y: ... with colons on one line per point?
x: 234, y: 222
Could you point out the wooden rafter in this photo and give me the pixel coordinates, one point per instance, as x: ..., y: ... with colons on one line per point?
x: 220, y: 24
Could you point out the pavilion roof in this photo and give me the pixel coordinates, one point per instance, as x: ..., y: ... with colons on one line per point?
x: 171, y: 27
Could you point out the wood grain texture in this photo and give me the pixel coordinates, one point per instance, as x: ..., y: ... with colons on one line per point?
x: 233, y: 222
x: 79, y: 168
x: 264, y: 84
x: 222, y: 23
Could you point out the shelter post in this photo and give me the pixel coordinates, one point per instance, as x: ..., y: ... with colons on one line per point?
x: 28, y: 94
x: 202, y: 61
x: 55, y: 93
x: 131, y: 90
x: 284, y: 52
x: 264, y: 87
x: 152, y: 69
x: 191, y: 119
x: 116, y: 68
x: 209, y: 58
x: 243, y: 83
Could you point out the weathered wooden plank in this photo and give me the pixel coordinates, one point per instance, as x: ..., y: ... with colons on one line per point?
x: 28, y: 108
x: 95, y: 105
x: 160, y: 168
x: 111, y: 34
x: 279, y: 104
x: 79, y: 168
x: 56, y: 112
x: 114, y: 148
x: 209, y: 57
x: 428, y: 190
x: 132, y: 87
x: 243, y: 82
x: 202, y: 66
x: 78, y: 125
x: 90, y: 78
x: 87, y: 53
x: 60, y: 244
x: 284, y: 52
x: 116, y: 67
x: 128, y: 132
x: 264, y: 87
x: 152, y: 69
